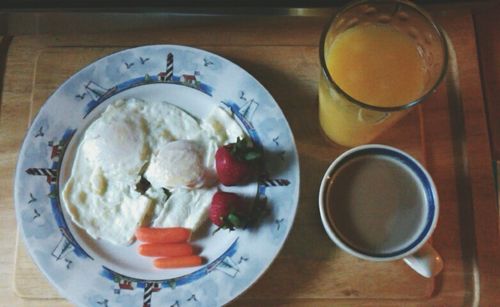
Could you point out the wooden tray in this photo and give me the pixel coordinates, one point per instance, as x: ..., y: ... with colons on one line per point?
x: 447, y: 134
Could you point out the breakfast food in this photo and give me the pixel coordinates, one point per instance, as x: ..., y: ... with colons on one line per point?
x: 176, y: 164
x: 178, y: 262
x: 234, y: 162
x: 228, y: 211
x: 185, y: 208
x: 166, y: 249
x: 145, y: 163
x: 170, y: 244
x: 163, y: 235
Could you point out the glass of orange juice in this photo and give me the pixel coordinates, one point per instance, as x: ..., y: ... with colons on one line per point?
x: 378, y: 60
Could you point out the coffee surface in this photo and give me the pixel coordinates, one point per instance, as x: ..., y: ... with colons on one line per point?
x: 377, y: 204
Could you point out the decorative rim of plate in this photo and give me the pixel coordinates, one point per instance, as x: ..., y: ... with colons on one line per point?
x: 39, y: 128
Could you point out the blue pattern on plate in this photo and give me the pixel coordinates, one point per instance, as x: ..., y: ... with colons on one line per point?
x: 58, y: 252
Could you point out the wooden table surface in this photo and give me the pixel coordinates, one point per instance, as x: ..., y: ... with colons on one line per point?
x: 448, y: 134
x: 488, y: 42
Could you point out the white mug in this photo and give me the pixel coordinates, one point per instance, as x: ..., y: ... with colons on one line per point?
x: 378, y: 203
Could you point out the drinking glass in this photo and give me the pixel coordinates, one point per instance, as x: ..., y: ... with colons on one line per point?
x: 349, y: 121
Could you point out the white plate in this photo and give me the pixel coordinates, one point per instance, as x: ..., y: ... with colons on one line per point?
x: 95, y: 273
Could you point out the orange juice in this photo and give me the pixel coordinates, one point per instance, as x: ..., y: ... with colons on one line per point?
x: 376, y: 65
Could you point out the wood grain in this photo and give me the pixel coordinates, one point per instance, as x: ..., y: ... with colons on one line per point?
x: 310, y: 270
x: 488, y: 38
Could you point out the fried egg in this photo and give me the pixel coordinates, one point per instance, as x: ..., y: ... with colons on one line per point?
x: 135, y: 140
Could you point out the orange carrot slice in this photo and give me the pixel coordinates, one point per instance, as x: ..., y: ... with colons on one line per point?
x: 165, y: 249
x: 163, y: 235
x: 178, y: 262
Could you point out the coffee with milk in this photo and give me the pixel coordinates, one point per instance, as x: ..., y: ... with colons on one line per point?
x: 376, y: 204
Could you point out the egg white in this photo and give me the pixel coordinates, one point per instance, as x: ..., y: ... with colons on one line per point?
x: 123, y: 144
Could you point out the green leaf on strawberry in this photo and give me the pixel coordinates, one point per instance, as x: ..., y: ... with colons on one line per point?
x: 228, y: 211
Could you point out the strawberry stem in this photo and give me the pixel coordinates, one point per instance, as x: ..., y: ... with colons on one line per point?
x: 234, y: 220
x: 245, y: 150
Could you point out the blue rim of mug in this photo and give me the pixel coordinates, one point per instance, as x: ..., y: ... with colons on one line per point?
x: 417, y: 169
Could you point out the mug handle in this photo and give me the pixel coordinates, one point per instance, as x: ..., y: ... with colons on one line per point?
x: 426, y: 261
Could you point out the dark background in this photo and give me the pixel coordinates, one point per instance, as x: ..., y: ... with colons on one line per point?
x: 170, y: 4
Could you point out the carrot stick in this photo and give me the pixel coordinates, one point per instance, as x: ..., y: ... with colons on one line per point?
x: 163, y: 235
x: 178, y: 262
x: 165, y: 249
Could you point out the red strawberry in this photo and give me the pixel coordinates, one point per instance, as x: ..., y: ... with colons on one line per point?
x: 228, y: 211
x: 235, y: 162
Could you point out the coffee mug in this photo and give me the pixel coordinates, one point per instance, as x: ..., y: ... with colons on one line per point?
x: 378, y: 203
